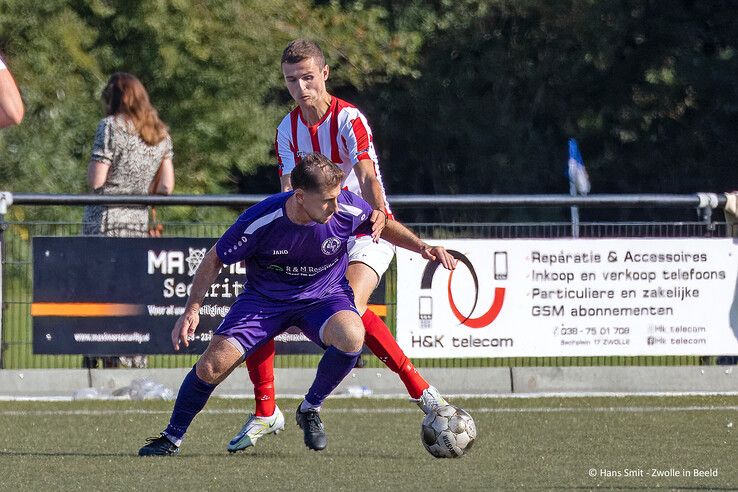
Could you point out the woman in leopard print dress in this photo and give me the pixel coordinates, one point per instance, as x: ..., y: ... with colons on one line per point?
x: 132, y: 147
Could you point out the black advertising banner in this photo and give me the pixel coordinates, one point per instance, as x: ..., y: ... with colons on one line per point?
x: 117, y: 296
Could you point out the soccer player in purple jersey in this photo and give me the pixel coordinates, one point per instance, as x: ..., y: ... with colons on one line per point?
x: 294, y: 245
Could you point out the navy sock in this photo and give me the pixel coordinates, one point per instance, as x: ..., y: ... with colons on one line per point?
x: 333, y: 367
x: 193, y: 395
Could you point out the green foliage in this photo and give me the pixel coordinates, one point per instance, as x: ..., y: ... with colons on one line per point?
x: 647, y: 87
x: 212, y: 70
x: 465, y: 96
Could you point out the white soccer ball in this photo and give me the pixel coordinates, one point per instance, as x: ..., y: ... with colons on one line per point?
x: 448, y: 432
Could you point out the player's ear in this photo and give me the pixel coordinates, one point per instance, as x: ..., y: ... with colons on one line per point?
x: 326, y: 72
x: 300, y: 196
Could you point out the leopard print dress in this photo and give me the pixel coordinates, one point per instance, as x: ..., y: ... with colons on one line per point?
x: 133, y: 165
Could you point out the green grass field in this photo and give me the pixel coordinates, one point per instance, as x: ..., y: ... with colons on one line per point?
x: 374, y: 444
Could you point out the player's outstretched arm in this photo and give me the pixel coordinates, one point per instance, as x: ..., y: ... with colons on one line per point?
x: 206, y: 274
x: 401, y: 236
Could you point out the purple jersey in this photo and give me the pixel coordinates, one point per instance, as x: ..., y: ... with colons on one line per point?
x: 287, y: 261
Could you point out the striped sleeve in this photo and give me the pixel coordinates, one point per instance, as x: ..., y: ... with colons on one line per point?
x: 283, y: 148
x: 358, y: 137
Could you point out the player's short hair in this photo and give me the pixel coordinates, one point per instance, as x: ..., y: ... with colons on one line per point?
x: 315, y: 172
x: 302, y: 49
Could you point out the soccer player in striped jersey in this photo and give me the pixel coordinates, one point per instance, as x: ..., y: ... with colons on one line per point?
x: 335, y: 128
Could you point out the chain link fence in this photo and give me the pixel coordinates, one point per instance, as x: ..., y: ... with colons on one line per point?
x: 17, y: 277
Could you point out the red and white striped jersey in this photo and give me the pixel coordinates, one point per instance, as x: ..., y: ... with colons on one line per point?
x: 343, y: 135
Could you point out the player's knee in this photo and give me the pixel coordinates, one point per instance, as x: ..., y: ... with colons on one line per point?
x: 354, y: 339
x: 349, y: 338
x: 361, y: 306
x: 208, y: 371
x: 204, y: 371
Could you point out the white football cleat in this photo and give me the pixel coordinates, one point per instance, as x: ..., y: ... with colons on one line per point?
x: 430, y: 399
x: 256, y: 427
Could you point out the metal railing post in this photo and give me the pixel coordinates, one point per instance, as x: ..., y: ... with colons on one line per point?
x: 707, y: 202
x: 6, y: 199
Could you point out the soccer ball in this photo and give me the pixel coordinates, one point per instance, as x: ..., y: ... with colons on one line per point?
x: 448, y: 432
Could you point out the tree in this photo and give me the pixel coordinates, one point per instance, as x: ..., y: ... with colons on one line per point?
x: 212, y: 70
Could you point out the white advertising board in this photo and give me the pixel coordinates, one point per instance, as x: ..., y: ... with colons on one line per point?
x: 567, y: 297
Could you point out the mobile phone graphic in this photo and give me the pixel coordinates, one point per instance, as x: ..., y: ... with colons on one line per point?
x: 425, y: 311
x: 500, y: 265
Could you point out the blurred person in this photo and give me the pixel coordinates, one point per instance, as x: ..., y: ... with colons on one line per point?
x: 11, y: 104
x: 132, y: 155
x: 335, y: 128
x: 294, y: 245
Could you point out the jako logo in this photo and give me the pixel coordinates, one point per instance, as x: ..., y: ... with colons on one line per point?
x: 480, y: 322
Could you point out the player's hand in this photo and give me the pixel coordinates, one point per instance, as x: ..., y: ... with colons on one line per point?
x: 379, y: 220
x: 439, y: 254
x: 184, y: 328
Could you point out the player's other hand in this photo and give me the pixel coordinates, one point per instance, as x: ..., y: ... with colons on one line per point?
x: 379, y: 220
x: 184, y: 328
x: 439, y: 254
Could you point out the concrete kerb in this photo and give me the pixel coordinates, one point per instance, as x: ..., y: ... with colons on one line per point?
x: 296, y: 381
x: 381, y: 382
x: 42, y: 382
x: 629, y: 379
x: 378, y: 381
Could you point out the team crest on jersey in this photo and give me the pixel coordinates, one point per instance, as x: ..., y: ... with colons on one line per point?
x: 330, y: 246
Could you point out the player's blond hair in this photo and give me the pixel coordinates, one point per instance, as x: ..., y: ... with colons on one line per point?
x: 302, y: 49
x: 315, y: 172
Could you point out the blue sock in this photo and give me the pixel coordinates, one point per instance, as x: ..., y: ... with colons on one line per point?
x: 192, y: 397
x: 333, y: 367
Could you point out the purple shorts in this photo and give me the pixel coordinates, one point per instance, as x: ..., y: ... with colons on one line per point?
x: 254, y: 320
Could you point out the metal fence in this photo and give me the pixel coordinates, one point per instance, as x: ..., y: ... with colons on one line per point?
x: 16, y: 236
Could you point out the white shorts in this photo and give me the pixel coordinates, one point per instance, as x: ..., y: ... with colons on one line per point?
x: 376, y: 256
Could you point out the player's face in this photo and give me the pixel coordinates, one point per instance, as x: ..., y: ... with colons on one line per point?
x: 321, y: 205
x: 305, y: 80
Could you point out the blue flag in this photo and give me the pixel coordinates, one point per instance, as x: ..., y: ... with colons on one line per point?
x: 578, y: 176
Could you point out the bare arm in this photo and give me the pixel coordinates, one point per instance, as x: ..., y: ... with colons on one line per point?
x: 97, y: 173
x: 206, y: 274
x: 371, y: 191
x: 285, y: 183
x: 11, y: 104
x: 164, y: 179
x: 401, y: 236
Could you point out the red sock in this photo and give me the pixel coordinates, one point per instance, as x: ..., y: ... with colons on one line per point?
x: 380, y: 341
x: 261, y: 372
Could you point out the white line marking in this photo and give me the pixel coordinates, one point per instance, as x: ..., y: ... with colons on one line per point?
x: 244, y: 411
x: 450, y: 396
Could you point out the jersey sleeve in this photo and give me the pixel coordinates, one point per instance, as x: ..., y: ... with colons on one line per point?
x: 359, y: 140
x: 283, y: 148
x: 236, y: 244
x: 102, y: 148
x: 360, y: 212
x: 169, y: 148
